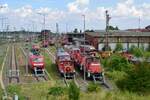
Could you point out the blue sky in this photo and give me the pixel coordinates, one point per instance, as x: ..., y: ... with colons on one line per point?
x: 125, y: 13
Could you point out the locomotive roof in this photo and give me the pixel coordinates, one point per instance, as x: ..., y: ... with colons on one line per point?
x: 36, y: 56
x: 60, y: 50
x: 63, y: 54
x: 89, y: 46
x: 75, y: 48
x: 35, y: 47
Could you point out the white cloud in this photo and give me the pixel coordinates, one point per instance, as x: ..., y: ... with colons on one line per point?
x: 78, y: 6
x: 43, y: 10
x: 22, y: 17
x: 124, y: 8
x: 82, y: 2
x: 24, y: 12
x: 4, y: 9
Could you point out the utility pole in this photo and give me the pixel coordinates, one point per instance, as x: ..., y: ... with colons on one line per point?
x: 3, y: 24
x: 66, y: 27
x: 84, y: 44
x: 3, y: 18
x: 107, y: 30
x: 57, y: 28
x: 44, y: 23
x: 139, y: 22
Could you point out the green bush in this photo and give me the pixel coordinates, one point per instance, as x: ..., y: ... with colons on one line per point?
x: 106, y: 48
x: 12, y: 89
x: 148, y: 48
x: 137, y: 80
x: 138, y: 52
x: 115, y: 75
x: 56, y: 91
x: 93, y: 87
x: 119, y: 63
x: 74, y: 91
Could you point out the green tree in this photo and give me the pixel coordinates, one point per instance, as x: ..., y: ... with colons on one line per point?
x: 137, y: 79
x: 106, y: 48
x: 131, y: 49
x: 75, y: 30
x: 119, y: 63
x: 148, y: 48
x: 138, y: 52
x: 74, y: 91
x: 113, y: 28
x: 119, y: 47
x: 142, y: 47
x: 116, y: 28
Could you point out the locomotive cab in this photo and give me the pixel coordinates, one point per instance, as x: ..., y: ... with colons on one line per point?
x: 93, y: 68
x: 37, y: 64
x: 65, y: 64
x: 45, y: 43
x: 74, y: 53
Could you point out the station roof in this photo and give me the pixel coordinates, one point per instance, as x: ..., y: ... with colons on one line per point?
x: 118, y: 33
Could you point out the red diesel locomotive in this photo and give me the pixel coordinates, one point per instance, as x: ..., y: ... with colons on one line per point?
x: 36, y: 61
x: 45, y: 43
x: 88, y: 62
x: 65, y: 64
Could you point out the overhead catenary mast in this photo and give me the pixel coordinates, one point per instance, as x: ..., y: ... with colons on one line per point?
x: 107, y: 30
x: 139, y: 22
x: 57, y: 28
x: 84, y: 43
x: 66, y: 27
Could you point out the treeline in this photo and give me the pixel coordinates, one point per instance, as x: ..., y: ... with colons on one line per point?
x: 128, y: 76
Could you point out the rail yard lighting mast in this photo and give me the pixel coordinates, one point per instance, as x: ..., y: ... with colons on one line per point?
x: 107, y: 30
x: 84, y: 43
x: 44, y: 17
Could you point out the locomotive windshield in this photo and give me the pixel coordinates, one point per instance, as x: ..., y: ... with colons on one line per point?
x: 64, y: 58
x: 38, y: 60
x: 93, y: 59
x: 35, y: 51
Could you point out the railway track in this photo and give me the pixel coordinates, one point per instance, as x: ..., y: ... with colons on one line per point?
x: 13, y: 66
x: 37, y: 78
x: 1, y: 75
x: 41, y: 78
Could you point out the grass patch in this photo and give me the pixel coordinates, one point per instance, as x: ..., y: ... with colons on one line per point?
x: 50, y: 66
x: 92, y: 87
x: 112, y: 95
x: 34, y: 91
x: 3, y: 48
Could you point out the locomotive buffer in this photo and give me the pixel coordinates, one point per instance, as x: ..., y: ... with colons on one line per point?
x: 39, y: 72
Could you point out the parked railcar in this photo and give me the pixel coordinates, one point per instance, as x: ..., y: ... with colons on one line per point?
x: 65, y: 64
